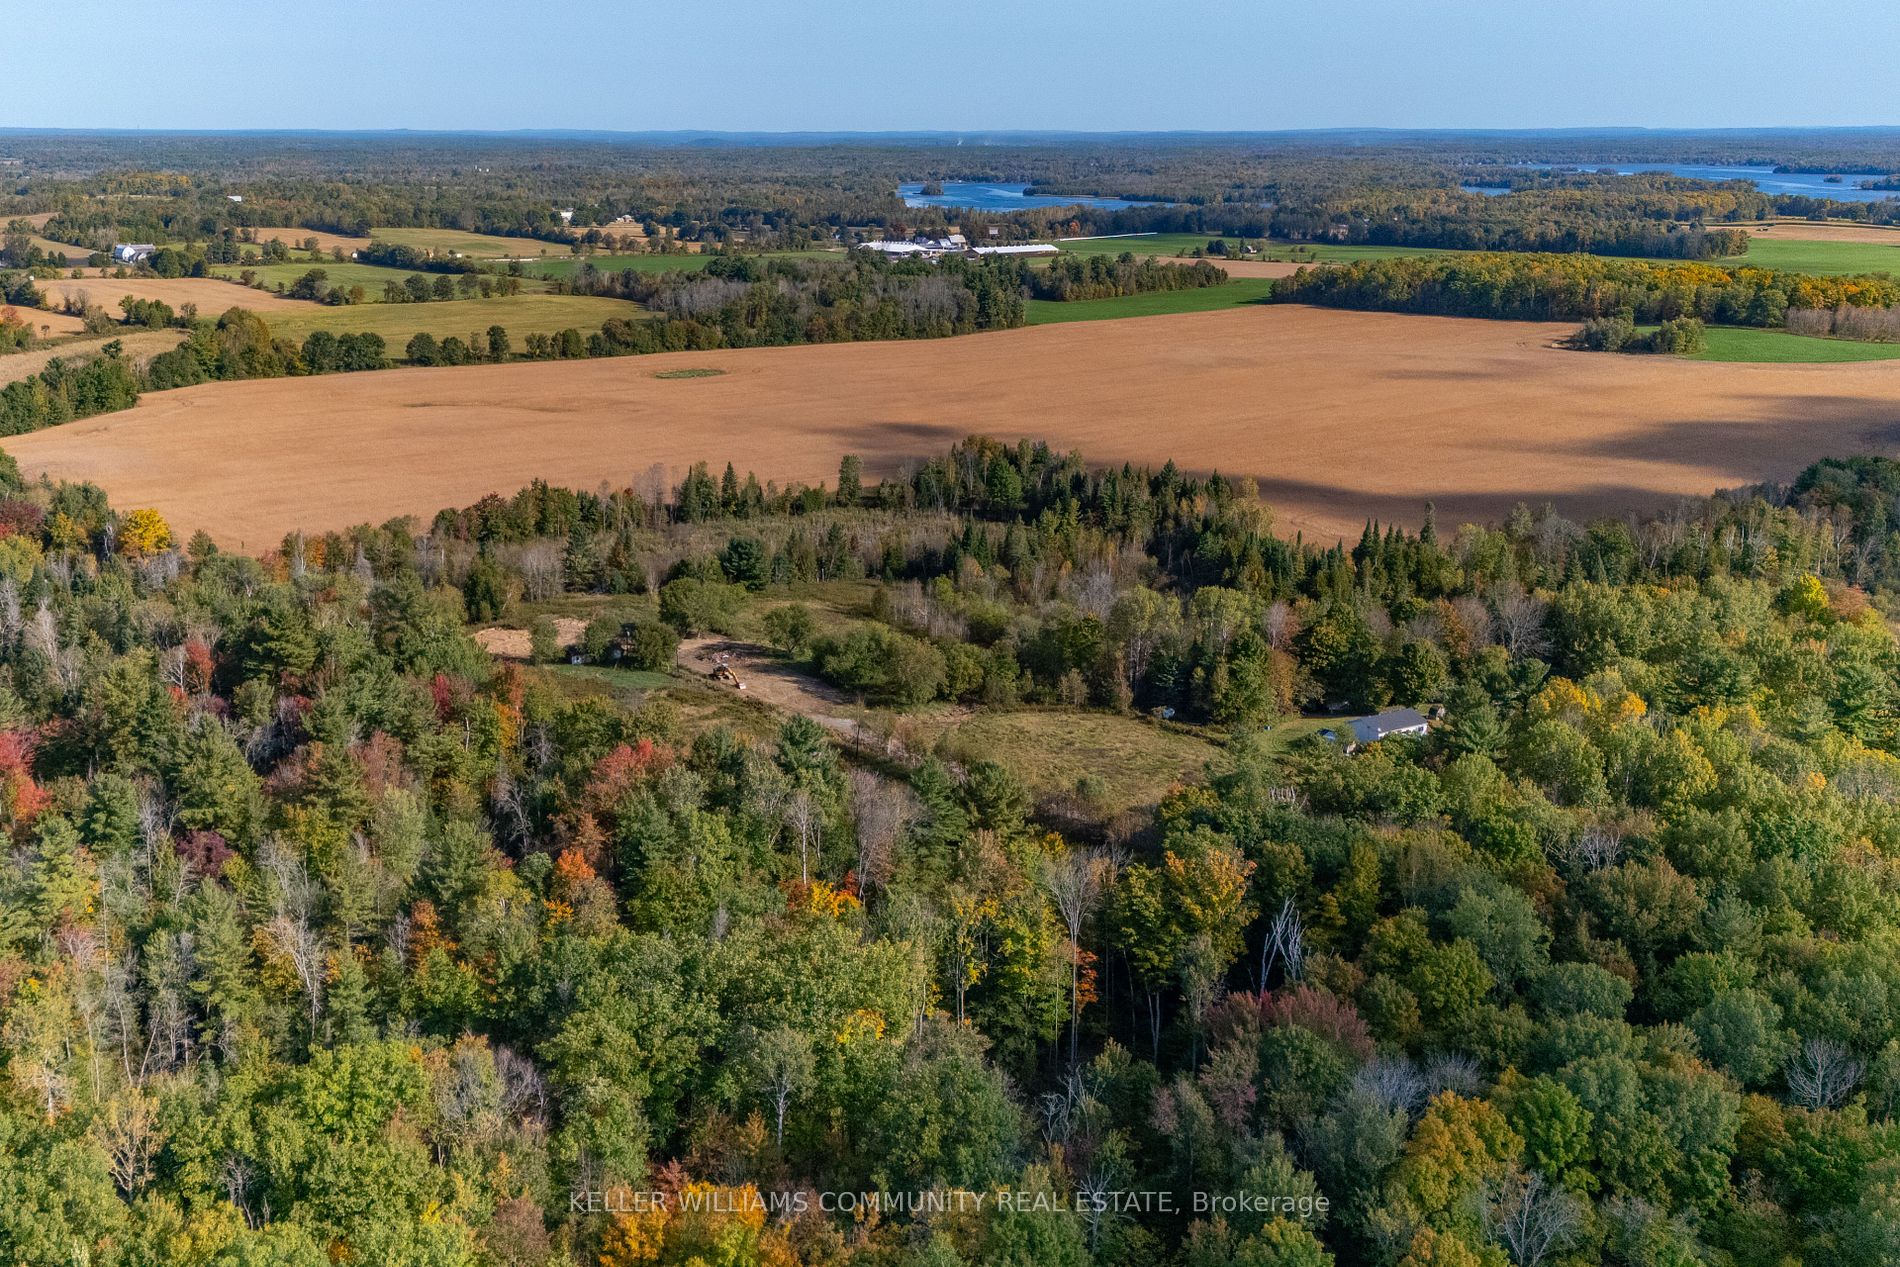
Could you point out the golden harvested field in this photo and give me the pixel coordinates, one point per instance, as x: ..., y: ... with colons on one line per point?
x: 295, y: 238
x: 1813, y: 231
x: 48, y: 323
x: 211, y: 295
x: 473, y: 245
x: 140, y: 347
x: 71, y: 254
x: 1255, y: 268
x: 1340, y: 415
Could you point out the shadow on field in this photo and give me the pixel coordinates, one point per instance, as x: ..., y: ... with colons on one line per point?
x: 1750, y: 451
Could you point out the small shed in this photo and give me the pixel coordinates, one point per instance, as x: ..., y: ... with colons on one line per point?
x: 1387, y: 725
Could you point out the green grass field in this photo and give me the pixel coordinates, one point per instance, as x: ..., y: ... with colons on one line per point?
x: 1246, y: 290
x: 1734, y: 343
x: 1052, y: 749
x: 520, y: 315
x: 473, y: 245
x: 1821, y: 257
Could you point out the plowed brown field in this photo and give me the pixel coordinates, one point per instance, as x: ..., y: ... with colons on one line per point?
x: 1340, y: 415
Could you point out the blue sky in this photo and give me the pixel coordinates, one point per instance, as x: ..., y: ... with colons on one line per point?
x: 863, y: 66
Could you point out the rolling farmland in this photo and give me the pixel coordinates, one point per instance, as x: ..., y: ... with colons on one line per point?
x: 1341, y: 415
x: 211, y: 295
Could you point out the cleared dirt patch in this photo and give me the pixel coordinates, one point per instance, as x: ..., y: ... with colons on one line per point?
x: 211, y: 295
x: 1342, y: 416
x: 517, y: 644
x: 140, y: 347
x: 762, y: 676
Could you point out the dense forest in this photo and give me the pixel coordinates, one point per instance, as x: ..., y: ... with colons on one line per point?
x: 325, y: 938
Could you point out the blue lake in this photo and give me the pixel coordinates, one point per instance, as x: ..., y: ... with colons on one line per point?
x: 968, y: 195
x: 1766, y: 179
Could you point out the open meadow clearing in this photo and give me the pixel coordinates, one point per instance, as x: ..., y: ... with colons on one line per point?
x: 211, y: 295
x: 520, y: 315
x: 1342, y: 416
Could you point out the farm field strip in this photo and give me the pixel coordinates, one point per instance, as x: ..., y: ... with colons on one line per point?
x: 518, y: 314
x: 1831, y: 256
x: 1041, y: 312
x: 1342, y: 416
x: 1779, y: 347
x: 212, y: 295
x: 473, y: 245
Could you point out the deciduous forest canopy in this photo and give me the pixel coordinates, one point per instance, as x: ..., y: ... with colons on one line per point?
x: 1011, y: 862
x: 328, y: 936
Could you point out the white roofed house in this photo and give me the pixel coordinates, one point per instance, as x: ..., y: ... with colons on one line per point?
x: 1393, y: 723
x: 133, y: 252
x: 1019, y: 248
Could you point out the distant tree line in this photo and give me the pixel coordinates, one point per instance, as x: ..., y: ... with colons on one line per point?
x: 1579, y: 288
x: 1072, y: 277
x: 67, y: 392
x: 389, y: 255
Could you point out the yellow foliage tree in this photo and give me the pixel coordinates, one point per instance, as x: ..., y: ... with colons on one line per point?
x: 144, y: 532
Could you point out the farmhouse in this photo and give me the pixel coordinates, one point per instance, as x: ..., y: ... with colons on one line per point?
x: 1386, y: 725
x: 133, y: 252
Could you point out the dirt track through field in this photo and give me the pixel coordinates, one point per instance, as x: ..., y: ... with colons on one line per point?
x: 1341, y: 416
